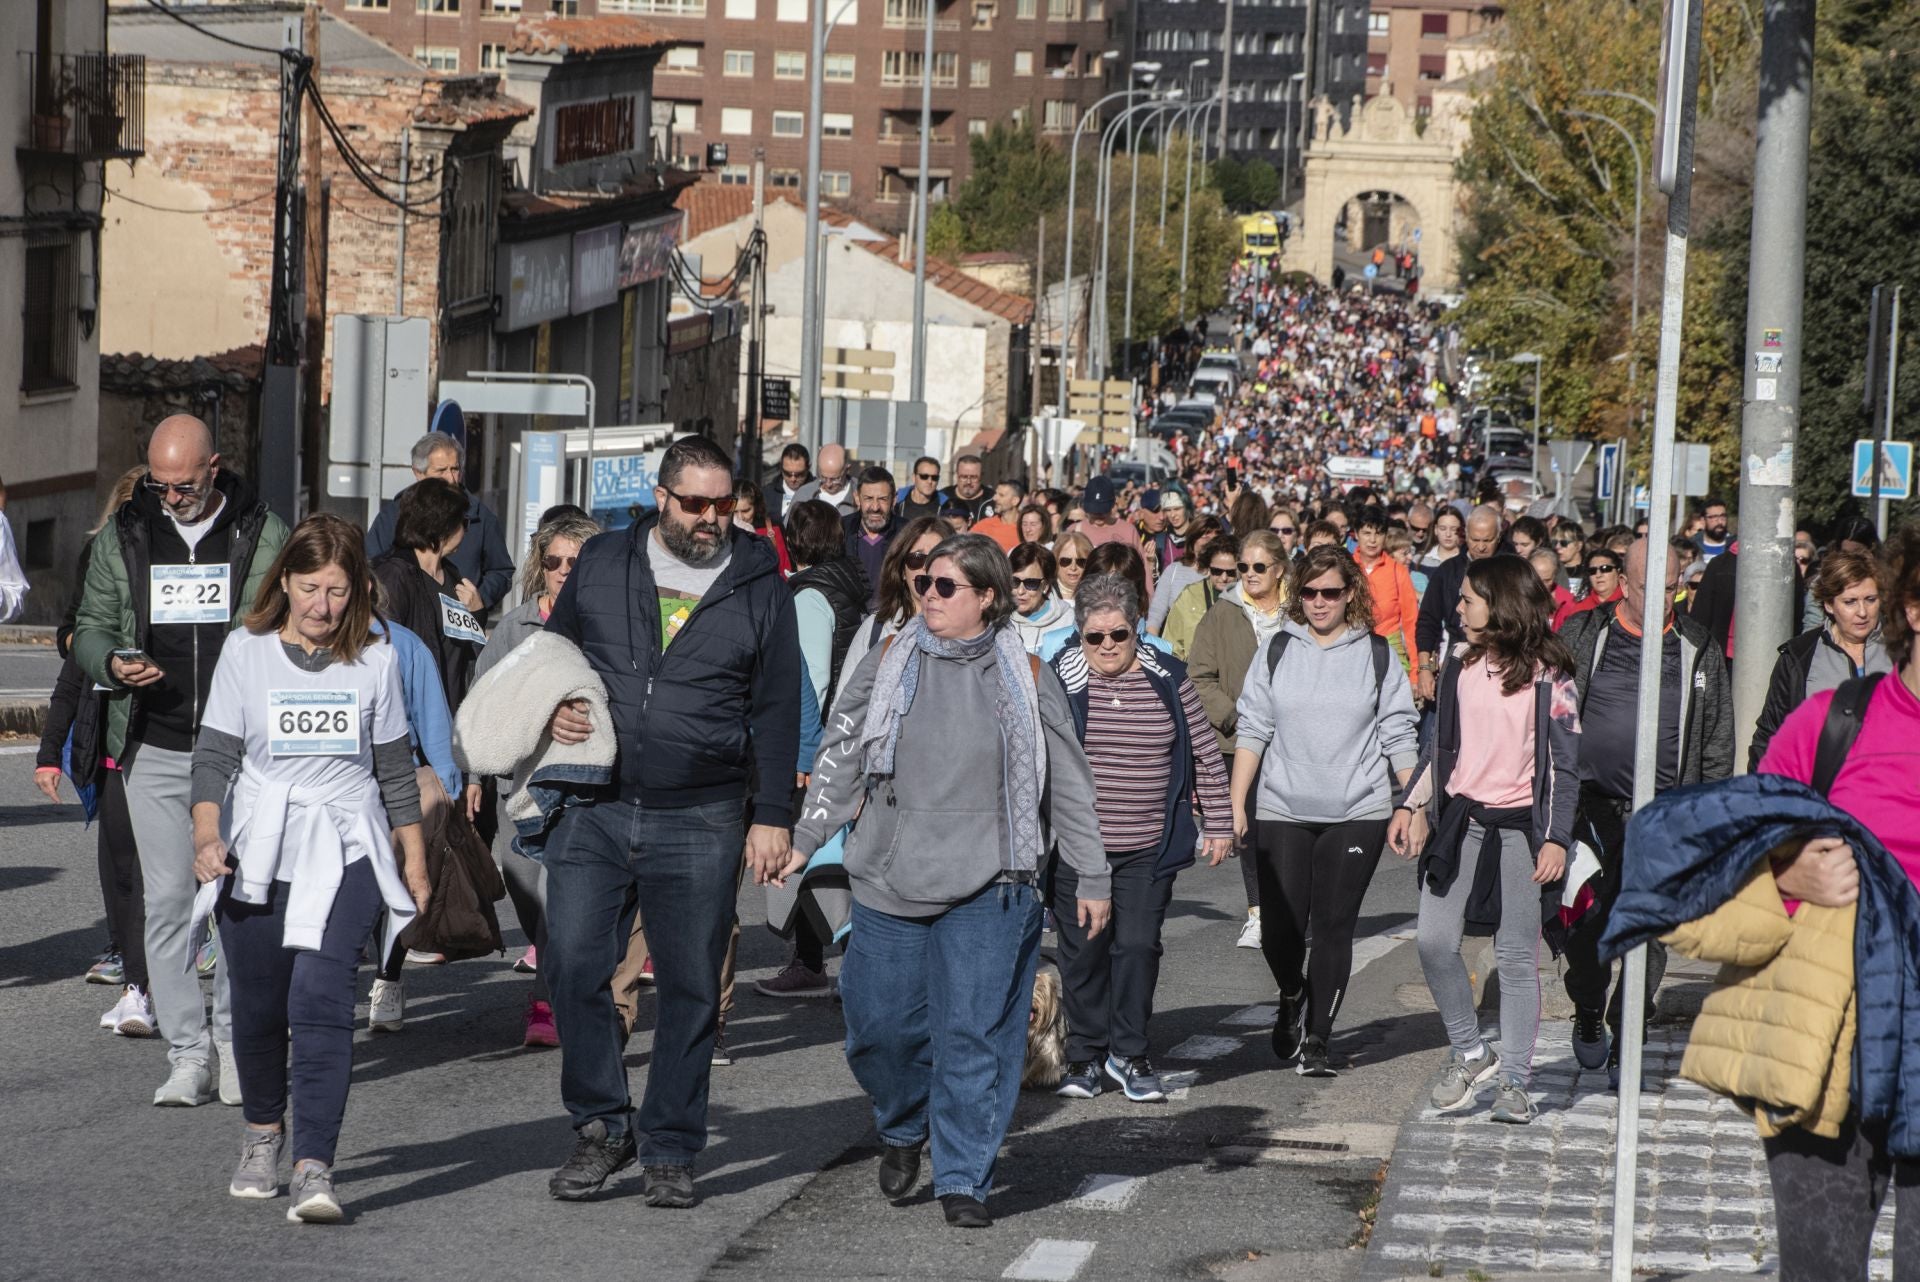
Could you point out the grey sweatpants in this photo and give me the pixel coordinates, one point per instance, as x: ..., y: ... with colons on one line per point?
x: 1516, y: 951
x: 159, y: 789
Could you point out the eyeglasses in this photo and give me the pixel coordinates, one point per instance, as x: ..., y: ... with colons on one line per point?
x: 1028, y: 585
x: 187, y: 491
x: 1222, y: 571
x: 918, y: 560
x: 552, y: 563
x: 1602, y: 567
x: 1283, y: 530
x: 1322, y: 594
x: 1255, y: 567
x: 1119, y: 636
x: 926, y: 476
x: 697, y: 504
x: 1070, y: 562
x: 944, y: 586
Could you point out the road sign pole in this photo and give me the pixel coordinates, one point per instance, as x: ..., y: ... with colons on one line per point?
x: 1893, y: 378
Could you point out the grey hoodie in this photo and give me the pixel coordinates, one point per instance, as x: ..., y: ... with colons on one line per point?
x: 935, y: 832
x: 1328, y: 748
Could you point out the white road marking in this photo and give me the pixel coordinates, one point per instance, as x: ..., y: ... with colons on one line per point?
x: 19, y: 751
x: 1253, y: 1017
x: 1203, y: 1047
x: 1106, y: 1192
x: 1051, y: 1259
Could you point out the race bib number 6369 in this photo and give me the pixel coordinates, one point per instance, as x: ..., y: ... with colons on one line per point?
x: 313, y: 723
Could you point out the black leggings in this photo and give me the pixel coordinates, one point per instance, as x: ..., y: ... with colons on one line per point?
x: 121, y: 887
x: 1318, y: 872
x: 1827, y: 1196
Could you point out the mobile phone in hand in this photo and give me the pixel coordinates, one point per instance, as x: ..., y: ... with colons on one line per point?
x: 133, y: 654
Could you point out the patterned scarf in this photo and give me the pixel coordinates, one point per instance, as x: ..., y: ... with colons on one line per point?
x: 1016, y: 710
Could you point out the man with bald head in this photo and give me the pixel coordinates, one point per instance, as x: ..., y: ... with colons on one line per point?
x: 1695, y: 745
x: 169, y: 576
x: 1435, y: 631
x: 833, y: 485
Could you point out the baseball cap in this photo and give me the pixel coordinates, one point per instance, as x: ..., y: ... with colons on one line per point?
x: 1098, y: 499
x: 1150, y: 501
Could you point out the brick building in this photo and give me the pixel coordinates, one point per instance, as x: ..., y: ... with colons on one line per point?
x: 1408, y: 40
x: 739, y: 76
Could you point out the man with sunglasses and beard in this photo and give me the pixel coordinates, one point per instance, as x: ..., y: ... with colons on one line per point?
x: 686, y: 621
x: 169, y: 577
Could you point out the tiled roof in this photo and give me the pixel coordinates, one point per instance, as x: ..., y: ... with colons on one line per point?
x: 133, y: 371
x: 710, y: 205
x: 468, y: 100
x: 587, y: 36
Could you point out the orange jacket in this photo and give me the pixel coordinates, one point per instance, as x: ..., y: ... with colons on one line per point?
x: 1395, y: 606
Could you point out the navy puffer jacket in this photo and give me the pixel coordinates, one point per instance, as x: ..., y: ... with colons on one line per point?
x: 696, y: 721
x: 1689, y: 850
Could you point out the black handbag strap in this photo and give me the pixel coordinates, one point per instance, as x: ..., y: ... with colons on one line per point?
x: 1844, y: 717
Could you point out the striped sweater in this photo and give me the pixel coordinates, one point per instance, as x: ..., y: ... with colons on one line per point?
x: 1129, y: 743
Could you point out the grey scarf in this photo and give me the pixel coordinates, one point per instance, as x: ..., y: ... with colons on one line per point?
x: 1017, y: 710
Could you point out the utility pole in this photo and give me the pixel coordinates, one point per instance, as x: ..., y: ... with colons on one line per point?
x: 750, y: 462
x: 400, y: 227
x: 1776, y: 290
x: 1310, y: 69
x: 1886, y: 434
x: 1226, y: 70
x: 314, y: 255
x: 919, y: 379
x: 1039, y: 317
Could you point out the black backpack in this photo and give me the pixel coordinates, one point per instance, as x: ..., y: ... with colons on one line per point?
x: 1382, y: 656
x: 1844, y: 718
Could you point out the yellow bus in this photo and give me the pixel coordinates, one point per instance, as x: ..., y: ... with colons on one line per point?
x: 1259, y: 236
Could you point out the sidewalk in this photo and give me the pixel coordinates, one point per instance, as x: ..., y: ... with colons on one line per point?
x: 1466, y: 1192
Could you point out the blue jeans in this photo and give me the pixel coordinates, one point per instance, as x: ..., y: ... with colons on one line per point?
x: 936, y: 1011
x: 683, y: 862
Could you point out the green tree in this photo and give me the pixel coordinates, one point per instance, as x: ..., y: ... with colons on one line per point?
x: 1016, y: 177
x: 946, y: 232
x: 1262, y: 185
x: 1230, y: 179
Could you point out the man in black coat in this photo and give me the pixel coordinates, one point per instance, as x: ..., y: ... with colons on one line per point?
x: 1434, y: 628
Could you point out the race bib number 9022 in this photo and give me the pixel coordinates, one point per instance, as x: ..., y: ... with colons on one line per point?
x: 190, y: 593
x: 313, y: 723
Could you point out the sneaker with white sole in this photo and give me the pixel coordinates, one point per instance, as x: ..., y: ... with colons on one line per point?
x: 207, y: 955
x: 1589, y: 1036
x: 311, y: 1189
x: 112, y: 1016
x: 1512, y: 1104
x: 1136, y: 1078
x: 1249, y: 933
x: 421, y: 958
x: 229, y: 1073
x: 258, y: 1174
x: 386, y: 1006
x: 188, y: 1085
x: 1082, y: 1081
x: 133, y: 1017
x: 1459, y: 1086
x: 108, y: 968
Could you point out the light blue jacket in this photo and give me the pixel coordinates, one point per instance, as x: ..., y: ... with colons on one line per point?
x: 429, y: 724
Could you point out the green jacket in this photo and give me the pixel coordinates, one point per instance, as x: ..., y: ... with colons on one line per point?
x: 109, y: 618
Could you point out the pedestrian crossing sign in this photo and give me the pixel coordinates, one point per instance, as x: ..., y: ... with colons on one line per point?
x: 1896, y: 469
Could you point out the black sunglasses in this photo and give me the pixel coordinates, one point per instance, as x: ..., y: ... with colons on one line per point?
x: 1282, y: 529
x: 187, y: 491
x: 918, y: 560
x: 552, y: 563
x: 1255, y: 567
x: 1071, y: 562
x: 1602, y: 567
x: 1029, y: 585
x: 1322, y: 594
x: 697, y: 504
x: 1565, y: 543
x: 944, y: 586
x: 1222, y: 571
x: 926, y: 476
x: 1118, y: 636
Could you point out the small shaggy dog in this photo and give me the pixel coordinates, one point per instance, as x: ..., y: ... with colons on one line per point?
x: 1046, y: 1032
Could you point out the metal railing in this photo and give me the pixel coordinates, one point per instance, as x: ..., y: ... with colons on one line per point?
x: 88, y: 105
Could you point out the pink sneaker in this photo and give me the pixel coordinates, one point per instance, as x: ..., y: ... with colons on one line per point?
x: 540, y: 1028
x: 646, y: 970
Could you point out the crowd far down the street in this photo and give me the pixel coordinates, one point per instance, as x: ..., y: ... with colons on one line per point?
x: 967, y: 741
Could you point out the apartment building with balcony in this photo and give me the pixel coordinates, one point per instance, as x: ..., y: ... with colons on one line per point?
x: 739, y: 77
x: 68, y: 109
x: 1408, y: 40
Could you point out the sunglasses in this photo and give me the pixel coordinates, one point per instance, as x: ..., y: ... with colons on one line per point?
x: 918, y: 560
x: 1070, y: 562
x: 1602, y: 567
x: 944, y: 586
x: 1419, y: 530
x: 1322, y: 594
x: 1029, y: 585
x: 552, y: 563
x: 1283, y: 529
x: 1119, y: 636
x: 1255, y: 567
x: 697, y: 504
x: 1222, y: 571
x: 1565, y: 543
x: 801, y: 475
x: 926, y: 476
x: 186, y: 491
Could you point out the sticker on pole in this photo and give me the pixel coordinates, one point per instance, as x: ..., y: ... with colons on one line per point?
x: 1896, y: 469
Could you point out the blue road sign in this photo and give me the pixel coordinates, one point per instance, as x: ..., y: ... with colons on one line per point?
x: 1896, y: 469
x: 1609, y: 463
x: 1372, y: 271
x: 448, y: 418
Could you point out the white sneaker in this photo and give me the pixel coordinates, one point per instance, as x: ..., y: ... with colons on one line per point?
x: 133, y: 1017
x: 386, y: 1006
x: 229, y: 1073
x: 1249, y: 933
x: 187, y: 1086
x: 112, y: 1017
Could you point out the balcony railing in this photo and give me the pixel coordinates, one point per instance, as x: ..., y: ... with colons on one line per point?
x: 91, y: 106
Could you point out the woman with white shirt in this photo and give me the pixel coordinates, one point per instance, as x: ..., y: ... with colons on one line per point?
x: 303, y: 782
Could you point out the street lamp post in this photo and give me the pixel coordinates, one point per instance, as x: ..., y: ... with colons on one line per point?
x: 1073, y: 184
x: 1156, y: 112
x: 1178, y: 113
x: 919, y: 380
x: 1105, y: 204
x: 809, y: 331
x: 1534, y: 359
x: 1200, y: 111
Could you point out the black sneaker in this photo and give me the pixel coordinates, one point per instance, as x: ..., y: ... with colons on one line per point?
x: 1136, y: 1078
x: 1590, y: 1036
x: 1082, y: 1081
x: 965, y: 1212
x: 899, y: 1169
x: 595, y: 1158
x: 1290, y: 1025
x: 669, y: 1186
x: 722, y: 1053
x: 1313, y: 1059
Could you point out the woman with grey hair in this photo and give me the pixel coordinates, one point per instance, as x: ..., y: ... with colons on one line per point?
x: 957, y: 751
x: 1152, y: 753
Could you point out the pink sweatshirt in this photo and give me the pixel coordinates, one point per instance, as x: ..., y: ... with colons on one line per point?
x: 1880, y: 783
x: 1495, y: 765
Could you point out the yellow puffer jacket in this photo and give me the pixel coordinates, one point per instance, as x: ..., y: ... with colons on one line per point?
x: 1777, y: 1032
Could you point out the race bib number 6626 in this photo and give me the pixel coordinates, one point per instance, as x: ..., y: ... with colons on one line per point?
x: 313, y: 723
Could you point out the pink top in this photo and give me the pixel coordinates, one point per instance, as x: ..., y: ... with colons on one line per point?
x: 1495, y: 765
x: 1880, y: 783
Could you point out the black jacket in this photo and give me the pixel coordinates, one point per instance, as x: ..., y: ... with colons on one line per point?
x: 1437, y: 606
x: 1788, y: 688
x: 481, y: 557
x: 1706, y: 699
x: 843, y: 587
x: 694, y: 721
x: 411, y: 598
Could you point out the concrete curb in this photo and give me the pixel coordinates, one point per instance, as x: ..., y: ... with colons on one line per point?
x: 28, y: 719
x: 24, y: 634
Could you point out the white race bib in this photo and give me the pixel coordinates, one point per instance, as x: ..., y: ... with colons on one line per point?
x: 190, y: 593
x: 458, y: 622
x: 313, y: 723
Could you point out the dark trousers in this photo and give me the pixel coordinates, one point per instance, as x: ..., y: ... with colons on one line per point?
x: 1827, y: 1195
x: 278, y: 991
x: 1602, y: 824
x: 1108, y: 982
x: 121, y: 890
x: 683, y: 863
x: 1250, y: 879
x: 1314, y: 874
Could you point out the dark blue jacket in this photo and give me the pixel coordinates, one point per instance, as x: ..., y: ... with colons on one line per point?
x: 481, y: 558
x: 1179, y: 834
x: 1690, y: 849
x: 693, y: 723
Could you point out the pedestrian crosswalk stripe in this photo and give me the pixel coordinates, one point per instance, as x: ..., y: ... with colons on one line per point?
x: 1051, y: 1259
x: 1105, y: 1192
x: 1203, y: 1047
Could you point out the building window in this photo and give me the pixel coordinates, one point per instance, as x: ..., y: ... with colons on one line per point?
x: 437, y: 57
x: 789, y: 64
x: 437, y: 6
x: 836, y: 182
x: 1423, y: 107
x: 1376, y: 65
x: 681, y: 60
x: 1023, y: 62
x: 47, y: 357
x: 900, y: 67
x: 836, y: 124
x: 509, y: 8
x: 790, y: 10
x: 493, y: 57
x: 784, y: 179
x: 946, y: 68
x: 983, y: 15
x: 686, y: 117
x: 1378, y: 24
x: 565, y: 8
x: 1018, y: 116
x: 1433, y: 24
x: 1433, y: 66
x: 837, y: 66
x: 1093, y: 64
x: 1023, y: 8
x: 735, y: 176
x: 789, y: 124
x: 737, y: 62
x: 667, y: 8
x: 1063, y: 10
x: 736, y: 120
x: 894, y: 187
x: 905, y: 13
x: 366, y: 4
x: 1096, y: 10
x: 1057, y: 117
x: 976, y: 128
x: 740, y: 10
x: 980, y: 73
